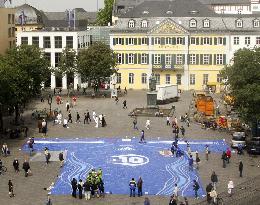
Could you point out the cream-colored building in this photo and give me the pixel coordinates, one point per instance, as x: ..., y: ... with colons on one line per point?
x: 7, y: 29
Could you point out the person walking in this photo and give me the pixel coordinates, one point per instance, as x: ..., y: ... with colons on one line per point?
x: 224, y: 159
x: 230, y: 187
x: 48, y: 201
x: 228, y: 153
x: 142, y: 140
x: 182, y: 129
x: 214, y: 179
x: 26, y: 168
x: 173, y: 200
x: 176, y: 192
x: 5, y: 150
x: 44, y: 128
x: 135, y: 123
x: 85, y: 118
x: 132, y: 186
x: 87, y: 189
x: 190, y: 163
x: 124, y: 104
x: 80, y: 188
x: 47, y: 155
x: 67, y: 106
x: 77, y: 118
x: 116, y: 100
x: 148, y: 124
x: 69, y: 117
x: 140, y: 187
x: 240, y: 168
x: 94, y: 115
x: 88, y: 117
x: 196, y: 188
x: 209, y: 188
x: 11, y: 188
x: 16, y: 165
x: 207, y: 152
x: 197, y: 160
x: 168, y: 121
x: 74, y: 185
x: 61, y: 159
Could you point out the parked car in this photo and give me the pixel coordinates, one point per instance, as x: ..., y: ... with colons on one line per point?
x: 253, y: 145
x: 238, y: 138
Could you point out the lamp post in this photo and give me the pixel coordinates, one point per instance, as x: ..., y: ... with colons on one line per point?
x: 50, y: 102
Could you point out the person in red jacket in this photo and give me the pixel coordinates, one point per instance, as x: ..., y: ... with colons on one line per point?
x: 228, y: 152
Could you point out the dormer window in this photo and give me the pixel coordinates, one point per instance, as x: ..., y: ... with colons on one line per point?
x: 239, y: 23
x: 256, y: 23
x: 131, y: 23
x: 206, y: 23
x: 144, y: 24
x: 193, y: 23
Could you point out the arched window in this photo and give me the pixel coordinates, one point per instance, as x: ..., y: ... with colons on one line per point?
x: 131, y: 23
x: 193, y: 23
x: 206, y: 23
x: 239, y: 23
x: 256, y: 23
x: 144, y: 24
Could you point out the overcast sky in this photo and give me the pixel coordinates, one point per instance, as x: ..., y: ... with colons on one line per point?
x: 61, y: 5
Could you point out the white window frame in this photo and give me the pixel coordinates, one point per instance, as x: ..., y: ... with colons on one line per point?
x: 192, y: 79
x: 167, y: 79
x: 144, y: 78
x: 236, y: 40
x: 131, y: 78
x: 239, y: 23
x: 179, y: 40
x: 192, y: 59
x: 179, y: 59
x: 118, y: 78
x: 193, y: 23
x: 247, y: 40
x: 257, y: 40
x: 220, y: 41
x: 192, y: 41
x: 206, y: 58
x: 157, y: 59
x: 206, y: 41
x: 168, y: 41
x: 131, y: 41
x: 120, y: 58
x: 219, y: 78
x: 178, y: 79
x: 158, y: 78
x: 157, y: 41
x: 131, y: 23
x: 256, y: 23
x: 206, y: 23
x: 144, y: 24
x: 119, y: 41
x: 143, y: 41
x: 205, y: 79
x: 143, y: 58
x: 131, y: 58
x: 168, y: 59
x: 219, y: 59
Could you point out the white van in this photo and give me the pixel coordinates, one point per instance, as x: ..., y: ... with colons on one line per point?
x: 238, y: 138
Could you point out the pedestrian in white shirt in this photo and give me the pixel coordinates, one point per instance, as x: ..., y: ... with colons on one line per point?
x: 176, y: 192
x: 148, y: 124
x: 230, y: 187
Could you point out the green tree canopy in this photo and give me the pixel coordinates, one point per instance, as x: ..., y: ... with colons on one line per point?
x: 68, y: 61
x: 243, y: 77
x: 96, y: 62
x: 104, y: 15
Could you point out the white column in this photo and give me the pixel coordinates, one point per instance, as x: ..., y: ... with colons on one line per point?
x: 64, y: 81
x: 77, y: 80
x: 185, y: 76
x: 53, y: 81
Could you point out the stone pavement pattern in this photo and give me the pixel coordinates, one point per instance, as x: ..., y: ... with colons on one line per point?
x: 29, y: 191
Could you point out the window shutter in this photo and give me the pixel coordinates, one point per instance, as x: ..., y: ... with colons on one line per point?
x: 135, y: 58
x: 174, y: 59
x: 162, y: 41
x: 139, y: 58
x: 215, y: 59
x: 123, y: 41
x: 152, y: 40
x: 197, y: 59
x: 126, y: 58
x: 183, y: 41
x: 201, y: 59
x: 201, y: 41
x: 139, y: 41
x: 126, y: 41
x: 152, y: 59
x: 210, y: 41
x: 210, y: 59
x: 163, y: 60
x: 114, y: 41
x: 123, y: 58
x: 224, y: 41
x: 147, y: 58
x: 215, y: 41
x: 135, y: 41
x: 173, y: 41
x: 197, y: 41
x: 183, y: 59
x: 224, y: 59
x: 147, y: 41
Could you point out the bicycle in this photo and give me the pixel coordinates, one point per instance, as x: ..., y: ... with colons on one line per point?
x: 3, y: 170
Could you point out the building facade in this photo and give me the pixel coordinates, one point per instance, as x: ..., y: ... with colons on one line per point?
x: 53, y: 43
x: 179, y: 42
x: 7, y: 29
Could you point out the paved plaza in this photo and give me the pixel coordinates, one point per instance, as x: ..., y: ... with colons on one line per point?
x: 30, y: 191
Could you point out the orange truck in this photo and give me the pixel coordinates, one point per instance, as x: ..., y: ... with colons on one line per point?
x: 205, y: 104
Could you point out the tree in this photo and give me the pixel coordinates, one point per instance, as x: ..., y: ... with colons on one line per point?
x: 104, y: 15
x: 243, y: 77
x: 68, y: 61
x: 22, y: 70
x: 97, y: 62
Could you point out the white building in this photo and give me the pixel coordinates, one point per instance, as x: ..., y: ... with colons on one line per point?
x: 52, y: 43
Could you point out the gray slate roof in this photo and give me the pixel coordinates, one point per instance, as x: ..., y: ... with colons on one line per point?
x: 217, y: 2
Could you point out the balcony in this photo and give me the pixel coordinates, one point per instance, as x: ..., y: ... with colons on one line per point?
x: 168, y: 67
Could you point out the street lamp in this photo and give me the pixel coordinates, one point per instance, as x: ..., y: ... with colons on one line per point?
x: 50, y: 102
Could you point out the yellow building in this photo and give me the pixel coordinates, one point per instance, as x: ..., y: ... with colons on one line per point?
x: 179, y: 42
x: 7, y: 29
